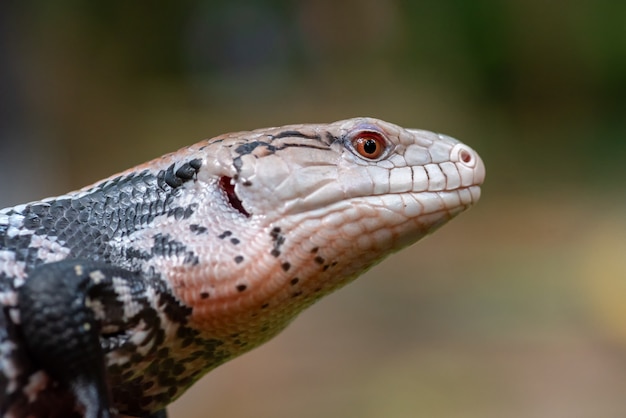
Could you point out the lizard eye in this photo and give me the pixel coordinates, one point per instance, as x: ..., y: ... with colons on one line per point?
x: 369, y: 145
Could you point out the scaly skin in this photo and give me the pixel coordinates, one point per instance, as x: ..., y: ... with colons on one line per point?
x: 163, y: 272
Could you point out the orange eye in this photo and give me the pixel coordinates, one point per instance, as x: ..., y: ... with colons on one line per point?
x: 370, y: 145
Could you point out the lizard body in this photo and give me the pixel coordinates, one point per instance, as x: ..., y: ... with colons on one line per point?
x: 154, y: 276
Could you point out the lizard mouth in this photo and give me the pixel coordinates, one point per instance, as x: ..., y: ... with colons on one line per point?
x: 228, y: 188
x: 465, y: 197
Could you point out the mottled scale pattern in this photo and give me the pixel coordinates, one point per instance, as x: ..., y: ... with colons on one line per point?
x: 230, y: 239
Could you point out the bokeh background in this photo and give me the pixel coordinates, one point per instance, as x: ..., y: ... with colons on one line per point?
x: 516, y: 309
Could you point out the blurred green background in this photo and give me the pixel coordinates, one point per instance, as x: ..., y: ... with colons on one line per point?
x: 516, y: 309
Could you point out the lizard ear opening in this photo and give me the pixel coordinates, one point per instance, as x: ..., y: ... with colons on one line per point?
x: 228, y: 187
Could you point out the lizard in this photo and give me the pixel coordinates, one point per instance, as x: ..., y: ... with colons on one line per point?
x: 117, y: 297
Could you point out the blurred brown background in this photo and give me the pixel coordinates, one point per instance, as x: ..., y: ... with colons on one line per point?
x: 516, y: 309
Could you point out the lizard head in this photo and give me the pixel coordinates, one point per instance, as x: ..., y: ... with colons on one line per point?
x: 316, y: 205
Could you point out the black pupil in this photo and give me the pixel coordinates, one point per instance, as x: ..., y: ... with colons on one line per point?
x: 370, y: 146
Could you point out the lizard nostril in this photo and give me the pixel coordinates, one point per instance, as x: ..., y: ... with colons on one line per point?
x: 465, y: 156
x: 228, y: 187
